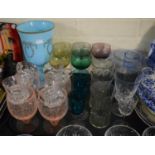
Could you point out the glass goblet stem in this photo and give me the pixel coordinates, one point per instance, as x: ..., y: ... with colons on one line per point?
x: 26, y: 121
x: 41, y: 75
x: 54, y: 123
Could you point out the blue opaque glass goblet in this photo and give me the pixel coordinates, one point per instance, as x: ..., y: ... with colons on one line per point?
x: 36, y: 38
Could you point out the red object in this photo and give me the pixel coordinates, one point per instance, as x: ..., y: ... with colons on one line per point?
x: 10, y: 41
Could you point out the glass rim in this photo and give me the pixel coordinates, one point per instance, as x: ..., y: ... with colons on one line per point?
x: 25, y: 63
x: 119, y: 126
x: 118, y: 51
x: 136, y: 82
x: 74, y: 125
x: 104, y: 45
x: 35, y: 32
x: 62, y: 43
x: 147, y: 129
x: 100, y: 43
x: 61, y: 46
x: 81, y: 42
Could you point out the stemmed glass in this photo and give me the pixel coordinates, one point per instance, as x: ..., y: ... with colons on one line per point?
x: 53, y: 104
x: 61, y: 78
x: 128, y: 65
x: 21, y: 103
x: 61, y: 55
x: 102, y: 66
x: 36, y: 37
x: 80, y: 60
x: 124, y: 94
x: 59, y: 61
x: 74, y: 130
x: 81, y: 55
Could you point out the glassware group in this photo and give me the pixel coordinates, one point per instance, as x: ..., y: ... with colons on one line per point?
x: 96, y: 76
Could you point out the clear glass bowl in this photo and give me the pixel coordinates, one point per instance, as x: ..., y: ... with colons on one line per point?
x: 121, y: 130
x: 74, y: 130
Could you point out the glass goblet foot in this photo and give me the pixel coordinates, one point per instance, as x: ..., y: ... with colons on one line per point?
x: 126, y: 108
x: 27, y: 127
x: 115, y: 109
x: 81, y: 117
x: 51, y: 128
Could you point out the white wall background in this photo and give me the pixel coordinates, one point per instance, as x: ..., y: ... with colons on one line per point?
x: 120, y: 33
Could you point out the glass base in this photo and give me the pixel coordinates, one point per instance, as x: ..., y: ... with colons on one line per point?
x: 99, y: 122
x: 128, y: 108
x: 22, y: 127
x: 83, y: 116
x: 115, y: 109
